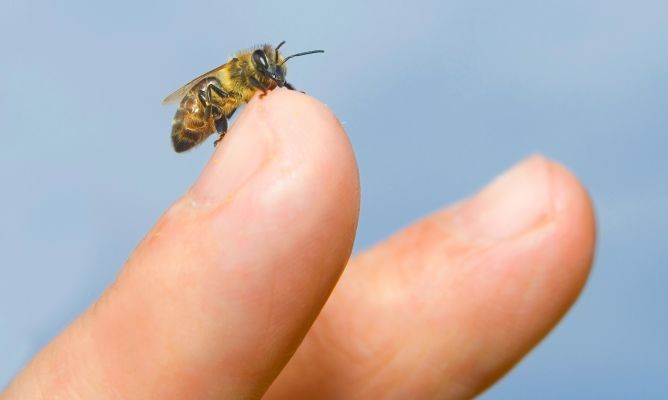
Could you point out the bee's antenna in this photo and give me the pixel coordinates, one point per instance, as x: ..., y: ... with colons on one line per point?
x: 276, y: 52
x: 302, y: 54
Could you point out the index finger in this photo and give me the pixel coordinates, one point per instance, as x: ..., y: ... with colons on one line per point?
x: 220, y: 293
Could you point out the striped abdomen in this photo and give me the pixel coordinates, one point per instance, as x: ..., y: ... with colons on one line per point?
x: 191, y: 124
x: 194, y: 122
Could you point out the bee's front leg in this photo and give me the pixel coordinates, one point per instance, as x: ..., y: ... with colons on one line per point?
x: 258, y: 85
x: 289, y: 86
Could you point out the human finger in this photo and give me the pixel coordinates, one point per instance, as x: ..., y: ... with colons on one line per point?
x: 446, y: 307
x: 220, y: 293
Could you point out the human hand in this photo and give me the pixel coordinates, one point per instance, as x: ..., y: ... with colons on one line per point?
x: 217, y: 298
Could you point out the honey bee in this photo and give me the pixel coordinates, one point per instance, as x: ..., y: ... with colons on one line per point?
x: 209, y: 100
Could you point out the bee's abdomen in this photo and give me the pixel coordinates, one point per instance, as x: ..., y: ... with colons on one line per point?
x: 185, y: 139
x: 189, y: 127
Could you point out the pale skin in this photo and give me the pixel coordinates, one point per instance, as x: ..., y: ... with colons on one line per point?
x: 224, y: 297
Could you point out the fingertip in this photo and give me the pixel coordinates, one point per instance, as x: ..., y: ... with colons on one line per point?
x: 574, y: 227
x: 286, y: 133
x: 286, y: 106
x: 312, y: 167
x: 537, y: 219
x: 308, y: 130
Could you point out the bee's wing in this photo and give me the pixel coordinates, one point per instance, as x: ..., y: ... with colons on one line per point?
x: 179, y: 93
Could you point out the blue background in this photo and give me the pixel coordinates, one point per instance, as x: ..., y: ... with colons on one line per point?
x: 437, y: 97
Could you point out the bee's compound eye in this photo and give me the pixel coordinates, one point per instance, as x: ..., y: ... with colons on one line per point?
x: 260, y: 59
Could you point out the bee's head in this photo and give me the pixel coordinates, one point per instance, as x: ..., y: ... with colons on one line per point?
x: 272, y: 67
x: 269, y: 67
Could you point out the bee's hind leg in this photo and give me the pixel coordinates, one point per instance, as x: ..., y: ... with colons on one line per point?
x: 220, y: 122
x: 221, y: 128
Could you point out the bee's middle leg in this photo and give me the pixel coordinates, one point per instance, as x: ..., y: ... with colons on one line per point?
x: 205, y: 97
x: 212, y: 110
x: 213, y: 89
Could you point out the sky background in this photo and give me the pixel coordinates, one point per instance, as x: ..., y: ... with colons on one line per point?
x: 438, y: 97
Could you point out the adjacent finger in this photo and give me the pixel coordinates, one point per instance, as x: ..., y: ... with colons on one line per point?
x: 444, y: 308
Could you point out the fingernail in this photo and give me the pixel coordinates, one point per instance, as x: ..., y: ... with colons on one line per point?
x: 514, y: 203
x: 242, y: 153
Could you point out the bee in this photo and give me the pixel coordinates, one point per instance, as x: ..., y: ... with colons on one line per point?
x: 208, y: 102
